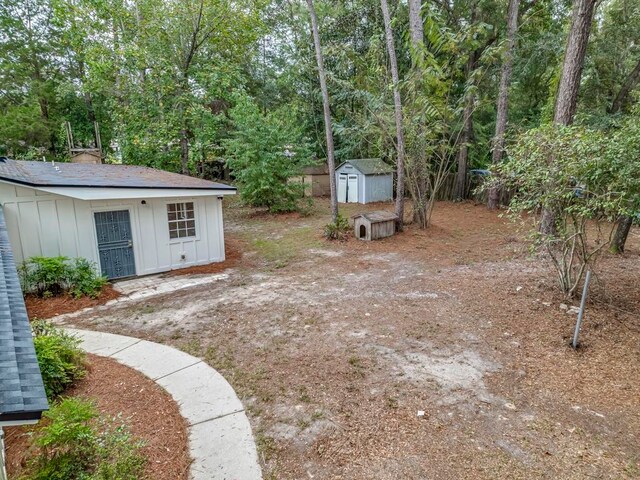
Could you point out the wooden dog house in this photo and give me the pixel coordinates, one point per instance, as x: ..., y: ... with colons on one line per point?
x: 374, y: 225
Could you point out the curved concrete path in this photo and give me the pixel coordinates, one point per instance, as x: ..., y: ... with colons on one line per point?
x: 220, y: 439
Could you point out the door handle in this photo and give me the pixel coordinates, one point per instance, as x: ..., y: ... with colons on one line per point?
x: 130, y: 243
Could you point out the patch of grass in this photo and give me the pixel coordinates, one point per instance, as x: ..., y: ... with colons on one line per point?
x: 266, y: 445
x: 317, y: 415
x: 292, y: 242
x: 303, y: 423
x: 247, y: 383
x: 355, y: 361
x: 192, y: 347
x: 632, y: 469
x: 392, y: 402
x: 303, y: 395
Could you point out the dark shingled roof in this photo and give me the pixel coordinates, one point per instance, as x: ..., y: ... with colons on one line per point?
x: 44, y: 174
x: 22, y: 395
x: 316, y: 170
x: 370, y: 166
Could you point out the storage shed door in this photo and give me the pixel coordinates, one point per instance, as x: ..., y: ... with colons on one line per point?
x: 352, y: 189
x: 115, y: 244
x: 342, y: 188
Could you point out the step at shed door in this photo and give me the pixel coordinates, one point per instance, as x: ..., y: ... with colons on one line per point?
x: 115, y: 244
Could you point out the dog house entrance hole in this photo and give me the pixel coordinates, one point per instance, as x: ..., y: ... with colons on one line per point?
x: 363, y: 231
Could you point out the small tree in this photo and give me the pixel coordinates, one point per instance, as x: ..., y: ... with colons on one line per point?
x: 592, y: 179
x: 266, y: 151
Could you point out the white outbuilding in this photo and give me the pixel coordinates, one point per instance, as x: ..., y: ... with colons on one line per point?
x: 364, y: 180
x: 129, y: 220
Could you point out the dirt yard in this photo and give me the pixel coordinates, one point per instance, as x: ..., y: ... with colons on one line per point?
x: 334, y: 348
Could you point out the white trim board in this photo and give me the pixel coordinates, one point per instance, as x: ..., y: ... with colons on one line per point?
x: 107, y: 193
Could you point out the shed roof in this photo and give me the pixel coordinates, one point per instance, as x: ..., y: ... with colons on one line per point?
x: 85, y: 175
x: 378, y: 216
x: 370, y: 166
x: 22, y: 395
x: 316, y: 169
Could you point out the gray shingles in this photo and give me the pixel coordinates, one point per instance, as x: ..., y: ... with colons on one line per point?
x: 44, y: 174
x: 22, y: 395
x: 370, y: 166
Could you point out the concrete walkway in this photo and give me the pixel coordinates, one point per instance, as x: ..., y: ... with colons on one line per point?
x: 150, y: 286
x: 220, y: 438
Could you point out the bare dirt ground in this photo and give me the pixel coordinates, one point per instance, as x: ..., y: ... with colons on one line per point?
x: 334, y: 348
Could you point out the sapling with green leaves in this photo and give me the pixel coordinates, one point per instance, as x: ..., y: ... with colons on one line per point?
x: 592, y: 179
x: 265, y: 152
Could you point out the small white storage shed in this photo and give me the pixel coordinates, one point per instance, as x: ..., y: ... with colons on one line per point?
x: 364, y: 180
x: 129, y: 220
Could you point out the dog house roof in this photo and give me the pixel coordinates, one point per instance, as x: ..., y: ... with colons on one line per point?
x: 377, y: 216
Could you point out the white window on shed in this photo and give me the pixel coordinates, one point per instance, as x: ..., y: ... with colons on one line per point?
x: 182, y: 222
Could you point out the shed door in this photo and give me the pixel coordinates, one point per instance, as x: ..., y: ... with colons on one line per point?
x: 115, y: 244
x: 352, y: 189
x: 342, y: 188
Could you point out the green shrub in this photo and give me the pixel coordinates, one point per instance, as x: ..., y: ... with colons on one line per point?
x: 338, y: 230
x: 83, y: 279
x: 50, y: 276
x: 75, y: 442
x: 61, y: 360
x: 265, y: 152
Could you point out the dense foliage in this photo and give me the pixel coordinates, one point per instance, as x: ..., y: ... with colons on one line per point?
x: 60, y: 358
x: 160, y: 76
x: 587, y: 178
x: 265, y: 152
x: 50, y: 276
x: 74, y: 442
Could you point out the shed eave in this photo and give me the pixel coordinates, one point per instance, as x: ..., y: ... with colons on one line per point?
x: 113, y: 193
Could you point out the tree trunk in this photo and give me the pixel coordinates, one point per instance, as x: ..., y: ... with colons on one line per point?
x: 622, y: 232
x: 467, y: 120
x: 417, y: 169
x: 416, y: 28
x: 327, y: 112
x: 184, y: 151
x: 463, y: 153
x: 624, y: 222
x: 503, y: 97
x: 628, y: 85
x: 567, y: 97
x: 397, y: 103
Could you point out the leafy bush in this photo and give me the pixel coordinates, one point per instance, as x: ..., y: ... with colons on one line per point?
x: 266, y: 151
x: 61, y: 360
x: 585, y: 178
x: 83, y: 279
x: 338, y: 230
x: 51, y: 276
x: 75, y: 443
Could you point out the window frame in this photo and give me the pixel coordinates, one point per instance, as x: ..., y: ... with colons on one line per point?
x: 169, y: 223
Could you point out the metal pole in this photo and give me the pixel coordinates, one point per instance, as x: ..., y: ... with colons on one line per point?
x: 582, y: 303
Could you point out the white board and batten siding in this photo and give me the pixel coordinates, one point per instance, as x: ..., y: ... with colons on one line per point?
x: 48, y: 224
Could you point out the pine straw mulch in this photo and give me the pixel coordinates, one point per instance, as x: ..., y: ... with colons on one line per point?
x: 39, y: 307
x: 149, y: 411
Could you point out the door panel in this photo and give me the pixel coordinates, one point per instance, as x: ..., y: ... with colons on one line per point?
x: 115, y: 244
x: 342, y: 188
x: 352, y: 189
